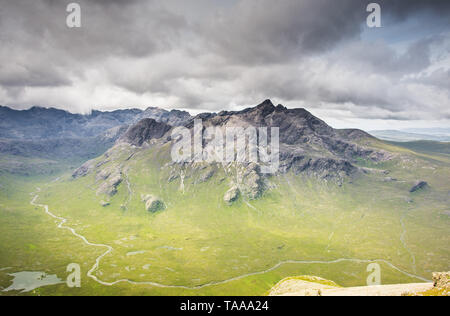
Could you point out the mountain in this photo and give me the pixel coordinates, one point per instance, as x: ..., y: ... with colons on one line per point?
x: 307, y: 146
x: 43, y: 123
x: 58, y: 137
x: 62, y: 148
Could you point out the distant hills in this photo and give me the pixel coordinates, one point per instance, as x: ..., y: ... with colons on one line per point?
x: 51, y: 136
x: 42, y: 123
x: 414, y: 134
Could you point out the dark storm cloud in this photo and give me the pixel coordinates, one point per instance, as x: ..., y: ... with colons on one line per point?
x: 14, y: 75
x: 261, y: 31
x: 403, y: 9
x: 210, y: 54
x: 34, y: 36
x: 132, y: 28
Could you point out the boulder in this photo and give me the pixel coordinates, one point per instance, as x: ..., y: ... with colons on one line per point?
x: 419, y: 185
x: 232, y: 195
x: 153, y: 204
x: 253, y: 185
x: 109, y: 186
x: 104, y: 204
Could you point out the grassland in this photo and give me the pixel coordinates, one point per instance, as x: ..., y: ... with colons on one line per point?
x: 302, y: 226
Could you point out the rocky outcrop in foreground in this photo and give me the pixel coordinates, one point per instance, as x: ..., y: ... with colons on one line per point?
x: 315, y: 286
x: 441, y: 280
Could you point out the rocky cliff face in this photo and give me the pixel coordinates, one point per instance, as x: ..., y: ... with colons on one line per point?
x: 144, y: 131
x: 307, y: 144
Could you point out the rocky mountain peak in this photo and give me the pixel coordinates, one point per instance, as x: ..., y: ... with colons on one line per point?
x: 144, y: 131
x: 265, y: 108
x: 173, y: 117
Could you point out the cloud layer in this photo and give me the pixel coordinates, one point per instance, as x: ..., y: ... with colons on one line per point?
x: 209, y: 55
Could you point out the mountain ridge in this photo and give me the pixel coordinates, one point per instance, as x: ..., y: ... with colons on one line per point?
x: 46, y: 123
x: 307, y: 146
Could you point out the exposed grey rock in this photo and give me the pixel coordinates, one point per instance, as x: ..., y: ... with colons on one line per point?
x: 104, y: 203
x: 84, y: 170
x: 324, y: 168
x: 103, y: 174
x: 144, y: 131
x: 109, y: 186
x: 441, y: 280
x: 173, y: 177
x: 232, y: 195
x: 153, y: 204
x: 418, y: 186
x: 307, y: 144
x: 206, y: 176
x: 253, y: 183
x: 172, y: 118
x: 389, y: 179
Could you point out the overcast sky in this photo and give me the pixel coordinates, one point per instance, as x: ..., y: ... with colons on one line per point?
x: 212, y: 55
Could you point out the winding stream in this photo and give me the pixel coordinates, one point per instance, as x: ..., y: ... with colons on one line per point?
x: 109, y: 249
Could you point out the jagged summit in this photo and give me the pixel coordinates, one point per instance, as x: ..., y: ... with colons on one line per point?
x: 173, y: 117
x: 144, y: 131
